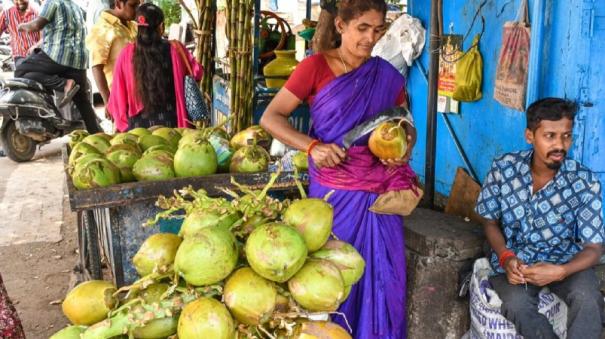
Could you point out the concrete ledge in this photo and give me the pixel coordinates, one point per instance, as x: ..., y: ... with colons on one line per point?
x: 438, y: 247
x: 435, y: 234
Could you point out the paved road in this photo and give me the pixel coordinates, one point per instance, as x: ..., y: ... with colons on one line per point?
x: 31, y: 197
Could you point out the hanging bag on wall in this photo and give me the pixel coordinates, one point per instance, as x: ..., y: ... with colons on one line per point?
x: 469, y: 74
x: 197, y: 110
x: 513, y: 63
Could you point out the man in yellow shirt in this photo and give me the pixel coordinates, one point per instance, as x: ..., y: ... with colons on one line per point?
x: 114, y: 29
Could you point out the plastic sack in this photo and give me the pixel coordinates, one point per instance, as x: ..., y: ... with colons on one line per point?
x: 511, y: 76
x: 488, y: 322
x: 402, y: 43
x: 469, y: 74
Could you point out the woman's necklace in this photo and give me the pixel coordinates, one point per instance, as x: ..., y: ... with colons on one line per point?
x: 343, y: 61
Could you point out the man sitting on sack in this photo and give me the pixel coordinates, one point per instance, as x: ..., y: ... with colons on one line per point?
x: 544, y: 222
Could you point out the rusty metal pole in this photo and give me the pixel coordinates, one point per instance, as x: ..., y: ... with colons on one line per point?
x: 431, y: 133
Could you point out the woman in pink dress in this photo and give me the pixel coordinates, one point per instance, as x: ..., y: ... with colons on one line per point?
x: 148, y: 87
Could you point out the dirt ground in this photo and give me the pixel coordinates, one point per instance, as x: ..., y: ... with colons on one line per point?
x: 38, y: 275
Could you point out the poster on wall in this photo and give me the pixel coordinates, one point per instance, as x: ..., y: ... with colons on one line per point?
x: 450, y: 52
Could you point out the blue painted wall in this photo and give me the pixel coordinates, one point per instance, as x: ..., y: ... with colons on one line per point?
x: 568, y: 44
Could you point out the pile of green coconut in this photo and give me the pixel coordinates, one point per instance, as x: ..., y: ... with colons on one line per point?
x: 162, y: 153
x: 245, y: 266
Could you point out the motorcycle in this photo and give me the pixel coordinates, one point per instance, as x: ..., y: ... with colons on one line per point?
x: 30, y: 117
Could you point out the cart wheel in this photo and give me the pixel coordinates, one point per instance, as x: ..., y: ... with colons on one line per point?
x: 90, y: 256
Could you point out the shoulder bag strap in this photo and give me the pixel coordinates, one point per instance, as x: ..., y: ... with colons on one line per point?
x: 181, y: 51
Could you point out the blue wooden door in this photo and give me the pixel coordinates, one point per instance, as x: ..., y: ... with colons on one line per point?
x: 590, y: 145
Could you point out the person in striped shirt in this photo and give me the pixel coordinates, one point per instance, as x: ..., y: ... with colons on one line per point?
x: 21, y: 43
x: 62, y: 61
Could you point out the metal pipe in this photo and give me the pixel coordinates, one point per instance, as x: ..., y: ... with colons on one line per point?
x: 537, y: 46
x: 431, y: 119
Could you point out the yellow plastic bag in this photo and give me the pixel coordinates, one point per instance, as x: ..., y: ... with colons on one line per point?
x: 469, y: 74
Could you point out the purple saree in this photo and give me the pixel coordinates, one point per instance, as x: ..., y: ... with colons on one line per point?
x: 376, y: 305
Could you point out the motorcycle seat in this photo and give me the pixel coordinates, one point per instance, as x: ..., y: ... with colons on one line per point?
x: 22, y: 83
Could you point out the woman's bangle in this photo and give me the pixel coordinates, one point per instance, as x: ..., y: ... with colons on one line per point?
x: 312, y: 145
x: 505, y: 256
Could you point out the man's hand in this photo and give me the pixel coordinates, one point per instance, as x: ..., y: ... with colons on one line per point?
x: 327, y: 155
x: 21, y: 27
x: 512, y: 267
x: 542, y: 274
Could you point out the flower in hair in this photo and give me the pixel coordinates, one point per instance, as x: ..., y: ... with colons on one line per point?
x: 142, y: 21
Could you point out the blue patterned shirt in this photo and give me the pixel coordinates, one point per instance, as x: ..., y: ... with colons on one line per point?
x: 65, y: 33
x: 550, y: 225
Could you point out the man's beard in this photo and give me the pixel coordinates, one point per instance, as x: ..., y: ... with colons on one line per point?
x: 556, y: 164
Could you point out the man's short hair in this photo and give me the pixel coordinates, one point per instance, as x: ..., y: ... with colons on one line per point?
x: 551, y: 109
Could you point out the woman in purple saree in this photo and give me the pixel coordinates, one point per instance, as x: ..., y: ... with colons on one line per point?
x: 375, y: 307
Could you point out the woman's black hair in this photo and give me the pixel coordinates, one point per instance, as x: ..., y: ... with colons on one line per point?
x: 152, y: 61
x: 326, y: 37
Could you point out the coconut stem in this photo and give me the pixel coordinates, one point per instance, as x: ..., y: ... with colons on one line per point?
x: 303, y: 194
x: 262, y: 329
x: 328, y: 195
x: 270, y: 184
x: 345, y: 318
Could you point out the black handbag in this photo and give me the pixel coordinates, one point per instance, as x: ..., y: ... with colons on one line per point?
x: 197, y: 109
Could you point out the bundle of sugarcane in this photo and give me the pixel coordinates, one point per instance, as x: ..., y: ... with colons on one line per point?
x: 204, y: 29
x: 239, y: 33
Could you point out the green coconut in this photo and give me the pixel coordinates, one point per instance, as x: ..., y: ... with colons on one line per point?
x: 347, y: 292
x: 100, y: 142
x: 153, y: 293
x: 89, y: 302
x: 318, y: 286
x: 82, y: 160
x: 124, y: 156
x: 345, y: 257
x: 70, y: 332
x: 218, y: 132
x: 139, y: 131
x: 169, y: 134
x: 76, y: 136
x: 191, y: 136
x: 250, y: 159
x: 301, y: 161
x: 157, y: 328
x: 104, y: 136
x: 125, y: 138
x: 276, y: 251
x: 196, y: 158
x: 206, y: 318
x: 250, y: 297
x: 208, y: 257
x: 156, y: 251
x: 79, y: 150
x: 163, y: 147
x: 201, y: 218
x: 313, y: 218
x: 154, y: 128
x: 252, y: 134
x: 95, y: 173
x: 148, y: 141
x: 154, y: 166
x: 320, y: 330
